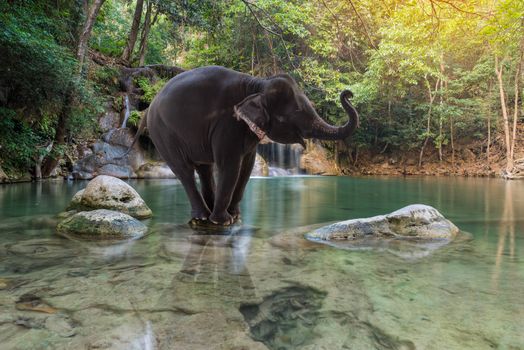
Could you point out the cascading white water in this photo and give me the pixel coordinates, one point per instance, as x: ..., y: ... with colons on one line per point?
x: 282, y: 159
x: 127, y: 111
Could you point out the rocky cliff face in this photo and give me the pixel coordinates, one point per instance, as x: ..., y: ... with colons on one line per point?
x: 315, y: 161
x: 105, y: 158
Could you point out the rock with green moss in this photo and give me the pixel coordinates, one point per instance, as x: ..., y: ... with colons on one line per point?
x: 101, y: 224
x: 107, y: 192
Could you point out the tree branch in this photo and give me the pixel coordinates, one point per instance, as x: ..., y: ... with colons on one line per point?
x: 363, y: 24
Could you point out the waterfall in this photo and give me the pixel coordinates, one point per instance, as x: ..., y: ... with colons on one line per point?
x: 127, y: 111
x: 282, y: 159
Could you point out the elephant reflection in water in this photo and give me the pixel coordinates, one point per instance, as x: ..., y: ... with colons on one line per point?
x: 215, y: 264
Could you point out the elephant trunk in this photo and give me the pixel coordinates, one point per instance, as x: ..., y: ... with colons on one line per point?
x: 324, y: 131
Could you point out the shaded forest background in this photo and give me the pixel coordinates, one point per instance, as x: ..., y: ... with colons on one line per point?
x: 437, y: 82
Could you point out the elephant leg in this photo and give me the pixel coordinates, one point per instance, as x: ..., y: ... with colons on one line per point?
x: 228, y: 173
x: 207, y: 184
x: 186, y: 175
x: 245, y: 172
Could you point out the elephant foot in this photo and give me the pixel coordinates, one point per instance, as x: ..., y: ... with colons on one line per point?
x: 194, y: 222
x: 200, y: 214
x: 235, y: 213
x: 224, y: 219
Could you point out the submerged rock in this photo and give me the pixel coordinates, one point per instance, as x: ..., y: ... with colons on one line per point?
x: 417, y: 221
x: 286, y: 318
x: 106, y: 192
x: 101, y: 224
x: 413, y: 232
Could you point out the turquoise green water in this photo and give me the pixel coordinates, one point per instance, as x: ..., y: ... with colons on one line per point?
x: 262, y: 286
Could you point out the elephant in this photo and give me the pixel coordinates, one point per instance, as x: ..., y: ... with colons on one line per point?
x: 216, y: 116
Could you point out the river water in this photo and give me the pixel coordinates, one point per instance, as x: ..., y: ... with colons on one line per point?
x: 260, y: 285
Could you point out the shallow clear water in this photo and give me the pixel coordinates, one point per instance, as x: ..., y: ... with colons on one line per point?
x: 262, y: 286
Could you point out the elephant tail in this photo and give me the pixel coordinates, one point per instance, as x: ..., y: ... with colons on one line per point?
x: 141, y: 127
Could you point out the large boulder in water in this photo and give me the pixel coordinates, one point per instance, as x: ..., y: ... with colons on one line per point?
x: 107, y: 192
x: 415, y: 221
x: 101, y: 224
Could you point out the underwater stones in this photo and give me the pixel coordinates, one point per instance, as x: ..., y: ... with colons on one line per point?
x: 106, y: 192
x: 40, y: 249
x: 101, y: 224
x: 60, y: 324
x: 286, y: 318
x: 417, y: 221
x: 31, y: 302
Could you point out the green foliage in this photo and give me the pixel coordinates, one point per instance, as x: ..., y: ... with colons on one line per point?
x: 111, y: 28
x: 105, y: 79
x: 38, y: 70
x: 35, y: 67
x: 18, y: 141
x: 149, y: 89
x: 134, y: 118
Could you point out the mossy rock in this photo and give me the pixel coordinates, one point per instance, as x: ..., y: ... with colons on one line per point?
x: 101, y: 224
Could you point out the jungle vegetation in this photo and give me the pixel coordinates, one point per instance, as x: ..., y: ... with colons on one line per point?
x: 426, y: 74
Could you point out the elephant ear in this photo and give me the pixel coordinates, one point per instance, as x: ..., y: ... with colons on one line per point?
x: 253, y: 112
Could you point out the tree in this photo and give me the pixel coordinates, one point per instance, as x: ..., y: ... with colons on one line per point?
x: 505, y: 38
x: 133, y: 33
x: 49, y: 163
x: 85, y: 34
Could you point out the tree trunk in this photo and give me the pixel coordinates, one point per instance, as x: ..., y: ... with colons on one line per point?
x: 428, y: 128
x: 133, y: 33
x: 488, y: 112
x: 39, y: 160
x: 516, y: 105
x: 440, y: 119
x: 83, y: 40
x: 145, y: 32
x: 451, y: 130
x: 498, y: 71
x: 253, y: 54
x: 50, y: 162
x: 273, y: 56
x: 489, y: 141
